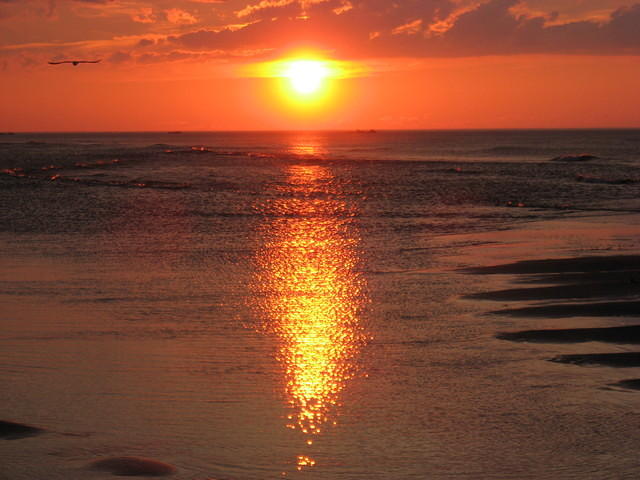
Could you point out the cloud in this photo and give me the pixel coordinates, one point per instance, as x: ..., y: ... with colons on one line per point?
x: 173, y: 56
x: 180, y: 17
x: 13, y: 8
x: 327, y: 25
x: 119, y: 57
x: 419, y: 28
x: 264, y: 5
x: 145, y: 42
x: 144, y: 15
x: 345, y: 29
x: 493, y: 29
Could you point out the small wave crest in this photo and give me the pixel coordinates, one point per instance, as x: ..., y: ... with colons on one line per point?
x: 514, y: 150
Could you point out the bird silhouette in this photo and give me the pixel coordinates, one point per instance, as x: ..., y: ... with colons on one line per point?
x: 74, y: 62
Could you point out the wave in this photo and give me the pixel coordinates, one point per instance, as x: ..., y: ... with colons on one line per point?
x: 514, y: 150
x: 36, y: 172
x: 152, y: 184
x: 52, y: 173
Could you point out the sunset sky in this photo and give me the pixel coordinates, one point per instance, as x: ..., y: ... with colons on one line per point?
x: 209, y: 64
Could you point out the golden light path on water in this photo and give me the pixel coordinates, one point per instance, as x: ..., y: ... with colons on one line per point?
x: 312, y: 296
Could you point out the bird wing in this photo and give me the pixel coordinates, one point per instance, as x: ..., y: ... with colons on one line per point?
x: 75, y: 62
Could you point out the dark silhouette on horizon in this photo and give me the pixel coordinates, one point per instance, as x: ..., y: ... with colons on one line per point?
x: 75, y: 62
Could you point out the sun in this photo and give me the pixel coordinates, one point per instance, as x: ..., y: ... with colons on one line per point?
x: 304, y: 82
x: 306, y: 76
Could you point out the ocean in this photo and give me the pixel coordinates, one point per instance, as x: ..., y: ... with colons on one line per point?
x: 320, y: 305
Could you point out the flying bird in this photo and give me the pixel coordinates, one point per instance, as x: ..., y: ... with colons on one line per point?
x: 74, y: 62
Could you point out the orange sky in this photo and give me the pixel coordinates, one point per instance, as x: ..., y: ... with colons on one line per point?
x: 185, y: 64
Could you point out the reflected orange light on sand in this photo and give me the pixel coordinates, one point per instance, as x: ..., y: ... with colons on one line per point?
x: 313, y: 297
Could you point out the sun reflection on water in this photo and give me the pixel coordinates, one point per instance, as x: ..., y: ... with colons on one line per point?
x: 306, y: 149
x: 312, y: 295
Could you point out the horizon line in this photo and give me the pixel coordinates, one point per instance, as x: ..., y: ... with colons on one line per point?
x: 327, y: 130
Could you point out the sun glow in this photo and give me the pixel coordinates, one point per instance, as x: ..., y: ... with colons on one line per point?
x: 305, y: 81
x: 306, y: 76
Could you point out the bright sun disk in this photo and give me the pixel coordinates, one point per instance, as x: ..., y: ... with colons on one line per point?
x: 306, y: 76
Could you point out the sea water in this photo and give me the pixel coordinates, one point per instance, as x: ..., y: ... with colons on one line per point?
x: 258, y: 305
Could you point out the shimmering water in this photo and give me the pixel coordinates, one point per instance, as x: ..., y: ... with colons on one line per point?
x: 289, y: 305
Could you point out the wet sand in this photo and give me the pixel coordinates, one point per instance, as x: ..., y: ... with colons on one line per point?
x: 14, y: 431
x: 628, y: 334
x: 566, y: 294
x: 633, y: 384
x: 590, y: 291
x: 559, y: 266
x: 599, y: 309
x: 620, y: 360
x: 603, y: 286
x: 133, y: 467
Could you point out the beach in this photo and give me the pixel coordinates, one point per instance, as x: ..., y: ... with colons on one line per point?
x: 320, y: 306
